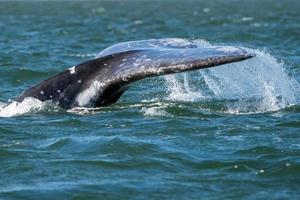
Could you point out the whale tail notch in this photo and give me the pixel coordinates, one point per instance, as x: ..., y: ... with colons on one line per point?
x: 103, y: 80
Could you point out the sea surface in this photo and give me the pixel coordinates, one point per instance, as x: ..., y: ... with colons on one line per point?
x: 230, y: 132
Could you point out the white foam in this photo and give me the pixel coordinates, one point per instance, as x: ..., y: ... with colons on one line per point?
x: 155, y: 112
x: 28, y: 105
x: 84, y: 110
x: 155, y: 109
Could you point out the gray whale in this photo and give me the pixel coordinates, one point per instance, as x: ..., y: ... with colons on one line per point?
x: 103, y: 80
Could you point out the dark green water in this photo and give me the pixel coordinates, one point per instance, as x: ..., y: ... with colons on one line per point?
x: 232, y: 132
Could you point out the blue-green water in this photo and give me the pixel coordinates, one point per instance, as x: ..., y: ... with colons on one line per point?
x: 232, y: 132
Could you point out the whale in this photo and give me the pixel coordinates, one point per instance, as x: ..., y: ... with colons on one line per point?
x: 102, y: 80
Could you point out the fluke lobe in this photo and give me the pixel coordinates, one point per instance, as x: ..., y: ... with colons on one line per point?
x: 103, y: 80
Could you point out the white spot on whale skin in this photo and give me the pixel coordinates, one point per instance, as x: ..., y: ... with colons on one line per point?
x: 86, y: 96
x: 42, y: 92
x: 72, y: 70
x: 79, y: 81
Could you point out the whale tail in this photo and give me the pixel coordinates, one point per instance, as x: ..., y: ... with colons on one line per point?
x: 103, y: 80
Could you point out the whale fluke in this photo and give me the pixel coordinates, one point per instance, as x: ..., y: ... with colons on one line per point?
x: 103, y: 80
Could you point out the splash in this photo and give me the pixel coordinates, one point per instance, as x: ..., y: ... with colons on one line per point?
x: 260, y: 84
x: 27, y: 106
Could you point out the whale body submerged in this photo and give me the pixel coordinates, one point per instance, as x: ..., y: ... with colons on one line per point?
x: 101, y: 81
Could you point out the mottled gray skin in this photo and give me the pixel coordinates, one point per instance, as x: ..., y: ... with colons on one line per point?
x: 116, y: 67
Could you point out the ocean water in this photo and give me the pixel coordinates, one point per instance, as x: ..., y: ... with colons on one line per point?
x: 230, y: 132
